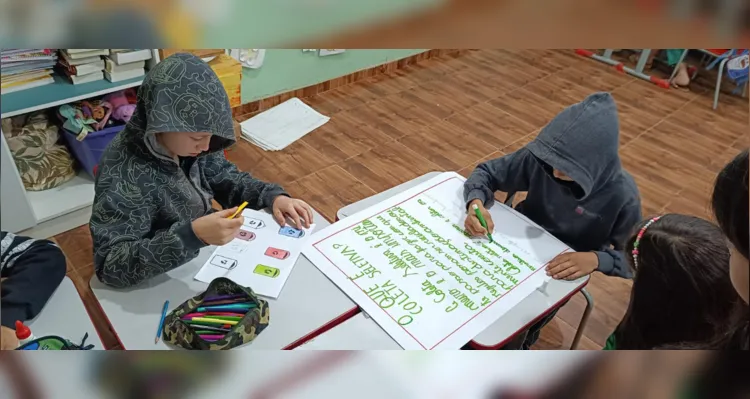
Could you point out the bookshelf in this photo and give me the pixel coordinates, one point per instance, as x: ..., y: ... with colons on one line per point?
x: 47, y: 213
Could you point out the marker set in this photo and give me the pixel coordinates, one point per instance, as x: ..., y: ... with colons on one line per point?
x: 217, y: 315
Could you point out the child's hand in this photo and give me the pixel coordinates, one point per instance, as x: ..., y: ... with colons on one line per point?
x: 216, y: 229
x: 8, y: 340
x: 572, y: 265
x: 295, y: 209
x: 472, y: 224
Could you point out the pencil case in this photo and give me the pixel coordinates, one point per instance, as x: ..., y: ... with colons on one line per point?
x: 182, y: 333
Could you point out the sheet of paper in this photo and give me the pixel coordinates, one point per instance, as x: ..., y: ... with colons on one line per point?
x: 261, y: 256
x: 282, y: 125
x: 408, y: 264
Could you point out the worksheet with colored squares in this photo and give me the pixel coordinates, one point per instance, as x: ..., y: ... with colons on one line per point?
x: 261, y: 256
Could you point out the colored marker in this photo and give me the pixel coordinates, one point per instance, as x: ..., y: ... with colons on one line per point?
x: 212, y: 321
x: 224, y: 302
x: 234, y: 215
x: 218, y: 318
x: 161, y: 322
x: 222, y: 308
x: 224, y: 297
x: 200, y: 327
x: 212, y: 336
x: 203, y: 314
x: 482, y: 221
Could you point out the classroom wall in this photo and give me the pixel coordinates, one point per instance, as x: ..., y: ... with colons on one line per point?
x: 286, y: 23
x: 286, y: 70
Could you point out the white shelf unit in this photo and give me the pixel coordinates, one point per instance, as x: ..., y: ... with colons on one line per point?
x: 42, y: 214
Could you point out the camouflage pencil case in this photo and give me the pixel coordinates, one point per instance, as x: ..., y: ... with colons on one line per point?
x: 187, y: 326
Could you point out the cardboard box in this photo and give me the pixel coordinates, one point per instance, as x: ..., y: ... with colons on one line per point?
x: 229, y: 72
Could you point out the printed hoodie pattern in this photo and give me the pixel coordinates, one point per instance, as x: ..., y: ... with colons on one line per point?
x: 145, y: 201
x: 583, y: 142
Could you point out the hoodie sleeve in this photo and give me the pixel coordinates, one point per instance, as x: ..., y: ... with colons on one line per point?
x: 510, y: 173
x: 125, y: 251
x: 32, y: 270
x: 612, y: 261
x: 232, y: 187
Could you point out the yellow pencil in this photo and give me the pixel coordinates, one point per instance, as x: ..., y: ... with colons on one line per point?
x: 239, y: 210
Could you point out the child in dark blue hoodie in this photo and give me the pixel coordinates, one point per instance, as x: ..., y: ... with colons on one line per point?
x: 576, y: 189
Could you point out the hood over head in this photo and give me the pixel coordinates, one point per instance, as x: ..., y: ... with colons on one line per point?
x: 182, y: 94
x: 582, y: 141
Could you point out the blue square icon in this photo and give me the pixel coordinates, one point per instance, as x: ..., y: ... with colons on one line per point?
x: 291, y: 232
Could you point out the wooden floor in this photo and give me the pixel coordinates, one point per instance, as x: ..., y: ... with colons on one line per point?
x: 450, y: 114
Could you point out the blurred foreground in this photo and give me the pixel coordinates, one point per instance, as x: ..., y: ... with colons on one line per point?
x: 342, y: 374
x: 368, y: 23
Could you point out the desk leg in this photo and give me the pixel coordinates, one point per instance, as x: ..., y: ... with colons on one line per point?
x: 584, y: 318
x: 637, y: 72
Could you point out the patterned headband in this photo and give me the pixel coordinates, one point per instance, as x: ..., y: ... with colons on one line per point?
x: 637, y: 242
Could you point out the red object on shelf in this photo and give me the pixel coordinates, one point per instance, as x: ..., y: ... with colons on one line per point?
x: 22, y: 332
x: 718, y: 51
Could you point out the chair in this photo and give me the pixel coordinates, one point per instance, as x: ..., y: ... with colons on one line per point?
x: 586, y: 295
x: 721, y: 56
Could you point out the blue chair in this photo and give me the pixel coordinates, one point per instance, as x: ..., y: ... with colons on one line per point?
x: 721, y: 60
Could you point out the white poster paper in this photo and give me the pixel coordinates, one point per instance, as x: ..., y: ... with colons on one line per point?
x: 261, y: 256
x: 408, y: 264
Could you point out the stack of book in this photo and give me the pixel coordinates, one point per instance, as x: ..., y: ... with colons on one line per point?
x: 24, y: 69
x: 82, y: 65
x: 124, y: 64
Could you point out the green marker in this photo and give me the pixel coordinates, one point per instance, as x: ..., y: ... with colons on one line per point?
x: 482, y: 221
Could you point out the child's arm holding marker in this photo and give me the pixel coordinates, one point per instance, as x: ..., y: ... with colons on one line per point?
x: 510, y: 173
x: 232, y: 186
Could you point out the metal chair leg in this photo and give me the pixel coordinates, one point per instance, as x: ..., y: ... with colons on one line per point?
x: 584, y: 318
x: 718, y: 81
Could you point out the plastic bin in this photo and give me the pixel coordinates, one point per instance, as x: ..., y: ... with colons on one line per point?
x: 89, y: 151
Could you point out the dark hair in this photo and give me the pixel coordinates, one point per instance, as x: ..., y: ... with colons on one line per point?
x: 730, y: 205
x: 681, y: 287
x: 730, y: 202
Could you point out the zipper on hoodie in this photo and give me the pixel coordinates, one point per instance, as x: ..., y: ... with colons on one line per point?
x: 192, y: 184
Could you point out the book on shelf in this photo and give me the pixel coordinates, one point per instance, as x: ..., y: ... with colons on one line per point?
x: 80, y: 50
x: 23, y: 55
x: 23, y: 69
x: 115, y: 77
x: 92, y: 77
x: 13, y: 87
x: 76, y: 55
x: 112, y: 66
x: 78, y: 61
x: 82, y: 69
x: 23, y: 76
x: 126, y: 57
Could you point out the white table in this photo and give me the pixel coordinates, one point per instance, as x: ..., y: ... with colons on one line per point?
x: 358, y: 333
x: 525, y: 314
x: 308, y: 302
x: 65, y: 316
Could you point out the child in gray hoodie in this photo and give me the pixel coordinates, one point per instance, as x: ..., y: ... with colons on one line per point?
x: 152, y: 205
x: 576, y: 189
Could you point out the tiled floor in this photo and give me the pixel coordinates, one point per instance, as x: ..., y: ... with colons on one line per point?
x: 450, y: 114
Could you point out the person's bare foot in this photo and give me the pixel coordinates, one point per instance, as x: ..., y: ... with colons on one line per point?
x: 682, y: 78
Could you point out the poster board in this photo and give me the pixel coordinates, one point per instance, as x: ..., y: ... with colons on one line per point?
x: 408, y: 264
